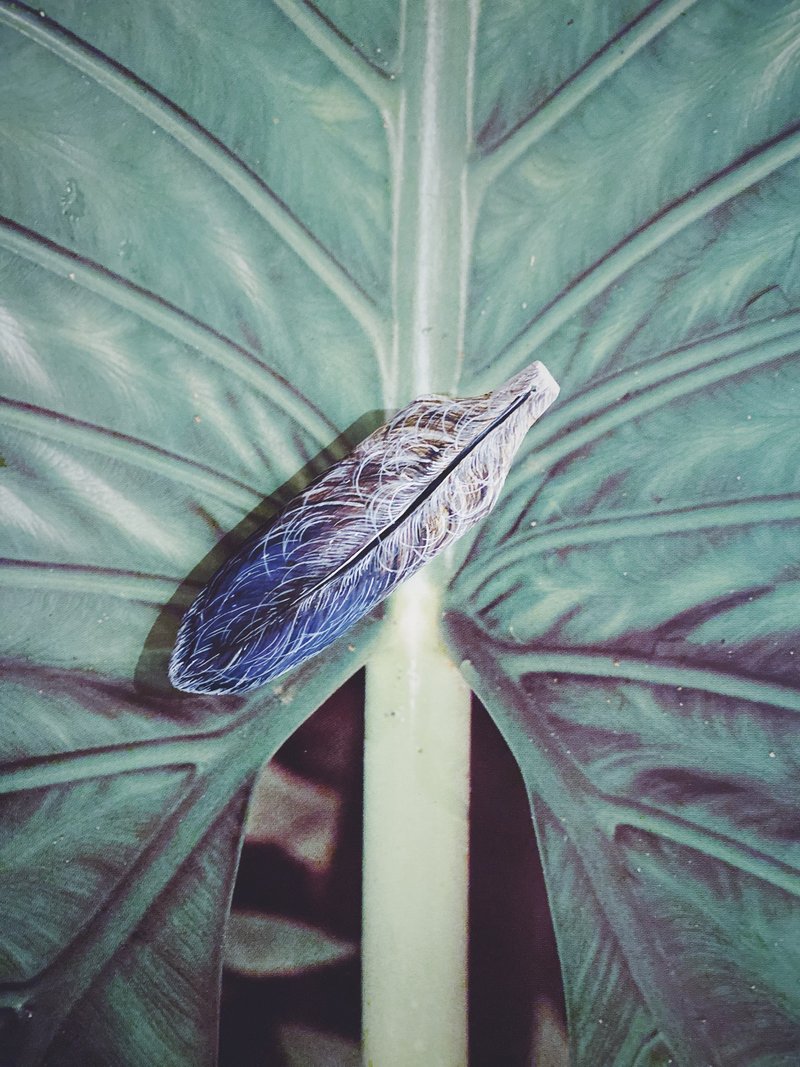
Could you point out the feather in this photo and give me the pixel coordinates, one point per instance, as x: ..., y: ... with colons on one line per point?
x: 341, y: 546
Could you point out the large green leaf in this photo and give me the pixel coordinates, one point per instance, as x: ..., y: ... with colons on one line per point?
x: 232, y: 232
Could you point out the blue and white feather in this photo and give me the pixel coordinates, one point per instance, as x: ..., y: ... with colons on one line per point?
x: 344, y: 543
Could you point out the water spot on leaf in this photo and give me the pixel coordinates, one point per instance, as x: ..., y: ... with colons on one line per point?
x: 72, y: 200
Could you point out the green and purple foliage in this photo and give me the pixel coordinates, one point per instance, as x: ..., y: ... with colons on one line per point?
x: 228, y: 231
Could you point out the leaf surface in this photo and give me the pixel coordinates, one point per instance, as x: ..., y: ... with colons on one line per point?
x: 309, y: 1048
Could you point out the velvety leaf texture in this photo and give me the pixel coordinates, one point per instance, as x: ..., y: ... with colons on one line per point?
x: 234, y: 239
x: 341, y: 546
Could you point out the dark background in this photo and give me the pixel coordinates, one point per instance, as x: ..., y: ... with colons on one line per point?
x: 513, y: 963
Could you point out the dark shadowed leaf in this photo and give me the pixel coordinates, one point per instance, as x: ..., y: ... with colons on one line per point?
x: 269, y: 946
x: 298, y: 816
x: 310, y: 1048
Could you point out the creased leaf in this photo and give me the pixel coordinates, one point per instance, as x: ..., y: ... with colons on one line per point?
x: 342, y: 545
x: 305, y: 1047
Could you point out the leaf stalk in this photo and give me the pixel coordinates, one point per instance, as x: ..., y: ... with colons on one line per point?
x: 416, y: 838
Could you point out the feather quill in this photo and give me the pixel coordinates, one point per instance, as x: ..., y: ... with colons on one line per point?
x: 341, y: 546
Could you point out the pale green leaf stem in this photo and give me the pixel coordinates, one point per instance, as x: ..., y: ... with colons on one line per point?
x: 416, y: 804
x: 430, y: 156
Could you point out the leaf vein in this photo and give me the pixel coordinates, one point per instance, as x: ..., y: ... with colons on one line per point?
x: 615, y: 526
x: 342, y: 52
x: 58, y: 427
x: 571, y: 93
x: 742, y: 857
x: 86, y: 578
x: 751, y: 168
x: 172, y: 320
x: 607, y: 405
x: 631, y: 669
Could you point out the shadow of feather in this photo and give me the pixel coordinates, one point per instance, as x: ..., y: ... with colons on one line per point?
x: 151, y: 678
